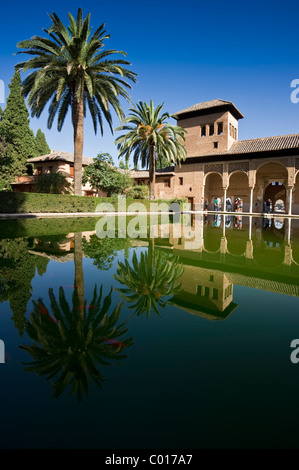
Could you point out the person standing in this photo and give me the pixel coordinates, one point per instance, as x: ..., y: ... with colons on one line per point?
x: 228, y: 204
x: 219, y: 203
x: 216, y: 204
x: 268, y: 206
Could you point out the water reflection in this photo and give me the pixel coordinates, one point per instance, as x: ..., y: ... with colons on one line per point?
x: 70, y: 342
x: 149, y: 280
x: 262, y: 253
x: 17, y: 269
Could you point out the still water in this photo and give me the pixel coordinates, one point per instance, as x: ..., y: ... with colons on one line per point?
x: 148, y: 342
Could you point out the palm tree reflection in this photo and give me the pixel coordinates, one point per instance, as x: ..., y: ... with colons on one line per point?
x: 71, y: 341
x: 149, y: 280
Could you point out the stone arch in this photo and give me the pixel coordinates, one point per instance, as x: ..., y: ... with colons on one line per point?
x: 239, y: 188
x: 274, y: 193
x: 212, y: 237
x: 213, y: 184
x: 268, y: 173
x: 236, y: 241
x: 270, y: 162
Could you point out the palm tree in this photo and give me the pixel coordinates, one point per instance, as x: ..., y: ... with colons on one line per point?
x: 150, y: 138
x: 149, y: 281
x: 71, y: 70
x: 70, y: 342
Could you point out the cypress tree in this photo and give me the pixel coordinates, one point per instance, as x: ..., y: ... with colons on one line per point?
x: 5, y: 176
x: 19, y: 138
x: 41, y: 146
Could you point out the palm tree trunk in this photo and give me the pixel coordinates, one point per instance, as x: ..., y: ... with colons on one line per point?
x: 152, y: 171
x: 78, y: 123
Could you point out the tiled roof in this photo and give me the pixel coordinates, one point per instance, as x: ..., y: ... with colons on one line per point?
x: 63, y: 156
x: 265, y: 144
x: 208, y: 105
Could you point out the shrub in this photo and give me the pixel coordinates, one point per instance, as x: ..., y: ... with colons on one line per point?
x: 52, y: 183
x: 16, y: 203
x: 138, y: 192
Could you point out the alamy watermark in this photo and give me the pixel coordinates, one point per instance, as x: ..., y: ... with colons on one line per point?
x: 2, y: 352
x: 153, y: 220
x: 295, y: 93
x: 2, y: 92
x: 295, y: 354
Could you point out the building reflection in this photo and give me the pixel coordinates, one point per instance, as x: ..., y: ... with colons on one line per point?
x: 234, y: 250
x: 225, y: 251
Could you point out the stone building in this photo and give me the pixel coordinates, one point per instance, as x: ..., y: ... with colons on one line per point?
x: 55, y: 162
x: 218, y: 165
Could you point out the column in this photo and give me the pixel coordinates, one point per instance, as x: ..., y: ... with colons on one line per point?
x: 203, y: 197
x: 250, y: 227
x: 224, y: 200
x: 251, y: 200
x: 289, y: 230
x: 223, y: 245
x: 290, y: 199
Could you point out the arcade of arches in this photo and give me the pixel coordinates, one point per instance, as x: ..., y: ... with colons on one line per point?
x: 250, y: 188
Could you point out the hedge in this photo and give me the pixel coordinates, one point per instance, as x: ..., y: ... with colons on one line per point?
x: 18, y: 203
x: 36, y: 227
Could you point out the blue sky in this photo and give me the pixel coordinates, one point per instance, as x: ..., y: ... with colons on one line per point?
x: 183, y: 53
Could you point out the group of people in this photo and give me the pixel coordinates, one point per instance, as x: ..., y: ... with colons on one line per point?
x: 238, y: 204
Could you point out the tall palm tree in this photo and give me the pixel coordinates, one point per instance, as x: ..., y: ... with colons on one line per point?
x: 71, y: 70
x: 150, y: 138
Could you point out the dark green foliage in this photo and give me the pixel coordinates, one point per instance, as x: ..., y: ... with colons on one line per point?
x: 104, y: 250
x: 149, y: 280
x: 138, y: 192
x: 45, y: 227
x: 18, y: 142
x: 17, y: 269
x: 123, y: 165
x: 146, y: 128
x: 52, y: 183
x: 70, y: 342
x: 162, y: 162
x: 41, y: 146
x: 103, y: 176
x: 17, y: 203
x: 33, y: 202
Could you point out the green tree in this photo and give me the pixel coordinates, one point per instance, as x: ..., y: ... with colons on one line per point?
x: 104, y: 250
x: 162, y: 162
x: 17, y: 138
x: 41, y: 146
x: 103, y: 176
x: 123, y: 165
x: 54, y: 183
x: 150, y: 138
x: 72, y: 71
x: 5, y: 161
x: 17, y: 270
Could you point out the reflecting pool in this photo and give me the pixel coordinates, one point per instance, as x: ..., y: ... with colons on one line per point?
x: 158, y: 341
